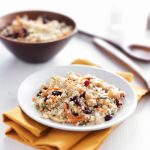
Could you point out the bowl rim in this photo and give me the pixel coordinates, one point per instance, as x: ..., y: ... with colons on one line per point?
x: 74, y: 31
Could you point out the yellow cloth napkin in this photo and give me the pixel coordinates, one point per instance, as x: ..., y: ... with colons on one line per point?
x: 24, y: 129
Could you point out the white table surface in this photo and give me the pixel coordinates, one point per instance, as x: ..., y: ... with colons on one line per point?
x: 134, y: 133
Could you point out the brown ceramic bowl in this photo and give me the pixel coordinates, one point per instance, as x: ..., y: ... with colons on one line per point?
x: 36, y: 51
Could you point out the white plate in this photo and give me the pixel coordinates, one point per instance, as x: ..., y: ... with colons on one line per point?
x: 31, y: 85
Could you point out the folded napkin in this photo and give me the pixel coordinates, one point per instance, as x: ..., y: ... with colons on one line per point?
x: 25, y: 130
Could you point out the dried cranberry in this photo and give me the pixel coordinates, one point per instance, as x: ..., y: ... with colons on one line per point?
x: 56, y: 93
x: 75, y: 100
x: 108, y: 117
x: 86, y: 83
x: 83, y: 95
x: 87, y: 110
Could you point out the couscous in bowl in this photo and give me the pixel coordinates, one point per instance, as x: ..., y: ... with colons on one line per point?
x: 36, y: 51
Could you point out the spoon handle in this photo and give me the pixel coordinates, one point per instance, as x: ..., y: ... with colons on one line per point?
x: 91, y: 35
x: 104, y: 46
x: 140, y: 47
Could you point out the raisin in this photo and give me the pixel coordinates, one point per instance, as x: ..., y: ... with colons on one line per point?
x: 56, y: 93
x: 108, y: 117
x: 83, y: 95
x: 25, y: 32
x: 13, y: 35
x: 45, y: 88
x: 118, y: 103
x: 72, y: 99
x: 45, y: 19
x: 45, y: 99
x: 75, y: 100
x: 87, y: 110
x: 75, y: 114
x: 96, y: 106
x: 38, y: 94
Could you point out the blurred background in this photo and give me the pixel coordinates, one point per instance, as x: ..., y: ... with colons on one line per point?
x: 119, y: 20
x: 103, y: 17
